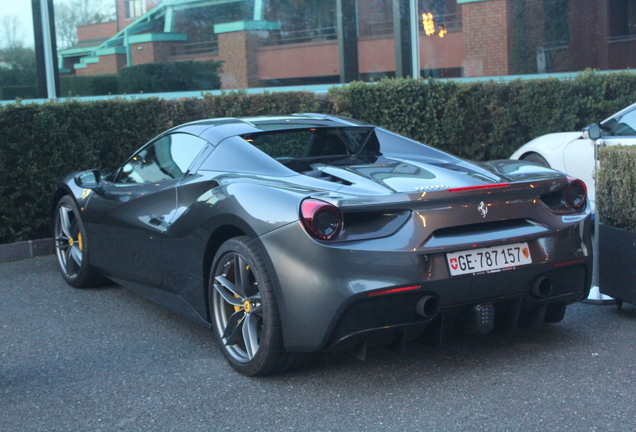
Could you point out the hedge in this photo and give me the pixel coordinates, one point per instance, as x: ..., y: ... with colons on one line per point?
x: 616, y: 188
x: 18, y: 91
x: 485, y: 120
x: 146, y: 78
x: 40, y: 143
x: 89, y: 85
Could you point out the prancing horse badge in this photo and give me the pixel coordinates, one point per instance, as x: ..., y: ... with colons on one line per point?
x: 482, y: 209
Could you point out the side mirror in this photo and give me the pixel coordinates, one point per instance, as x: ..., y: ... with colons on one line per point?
x: 592, y: 131
x: 91, y: 179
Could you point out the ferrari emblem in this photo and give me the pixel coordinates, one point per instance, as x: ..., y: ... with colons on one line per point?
x: 483, y: 209
x: 86, y: 193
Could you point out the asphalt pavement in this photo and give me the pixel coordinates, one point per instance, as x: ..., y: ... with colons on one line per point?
x: 108, y: 360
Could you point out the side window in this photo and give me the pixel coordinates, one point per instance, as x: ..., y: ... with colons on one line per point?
x: 626, y: 126
x: 165, y: 159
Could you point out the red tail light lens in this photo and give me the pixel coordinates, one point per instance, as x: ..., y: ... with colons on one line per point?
x: 322, y: 220
x: 480, y: 187
x: 575, y: 194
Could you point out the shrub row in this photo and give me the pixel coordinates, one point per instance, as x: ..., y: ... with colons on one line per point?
x: 9, y: 92
x: 146, y: 78
x: 485, y: 120
x: 616, y: 188
x: 40, y: 143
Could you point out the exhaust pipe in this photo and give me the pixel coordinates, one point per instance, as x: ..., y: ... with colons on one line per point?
x: 542, y: 287
x: 428, y: 307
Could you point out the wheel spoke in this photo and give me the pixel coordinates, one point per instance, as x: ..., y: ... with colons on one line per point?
x: 232, y: 331
x: 250, y: 334
x: 65, y: 222
x: 69, y: 260
x: 77, y: 255
x: 229, y: 286
x: 241, y: 276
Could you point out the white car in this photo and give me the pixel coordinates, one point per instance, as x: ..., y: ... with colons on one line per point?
x: 573, y: 152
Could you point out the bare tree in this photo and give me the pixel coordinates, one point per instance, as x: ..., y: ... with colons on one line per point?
x: 73, y: 13
x: 10, y: 33
x: 17, y: 62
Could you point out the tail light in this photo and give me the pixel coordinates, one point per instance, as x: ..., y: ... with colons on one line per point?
x: 321, y: 220
x: 575, y: 194
x: 573, y: 198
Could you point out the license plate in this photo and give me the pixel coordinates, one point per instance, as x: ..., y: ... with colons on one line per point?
x: 489, y: 260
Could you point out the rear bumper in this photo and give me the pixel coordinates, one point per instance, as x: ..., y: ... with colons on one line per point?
x: 323, y: 289
x: 390, y: 317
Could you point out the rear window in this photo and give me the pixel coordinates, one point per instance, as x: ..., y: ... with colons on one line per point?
x: 314, y: 142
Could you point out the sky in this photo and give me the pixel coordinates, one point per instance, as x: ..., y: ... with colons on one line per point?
x: 21, y: 9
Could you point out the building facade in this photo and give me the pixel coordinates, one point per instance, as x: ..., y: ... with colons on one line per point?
x: 299, y: 42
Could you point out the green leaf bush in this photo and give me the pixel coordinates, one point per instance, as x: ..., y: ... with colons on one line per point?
x: 146, y: 78
x: 40, y: 143
x: 485, y: 120
x: 616, y: 187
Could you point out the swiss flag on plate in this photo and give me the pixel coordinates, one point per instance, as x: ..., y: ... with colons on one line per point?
x: 453, y: 263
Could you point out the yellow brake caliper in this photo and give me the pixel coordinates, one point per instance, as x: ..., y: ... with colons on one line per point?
x: 236, y: 307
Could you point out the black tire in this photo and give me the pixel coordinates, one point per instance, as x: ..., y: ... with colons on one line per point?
x: 71, y: 246
x: 536, y: 158
x: 244, y: 312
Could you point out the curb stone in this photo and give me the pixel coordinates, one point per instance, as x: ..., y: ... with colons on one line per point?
x: 26, y: 249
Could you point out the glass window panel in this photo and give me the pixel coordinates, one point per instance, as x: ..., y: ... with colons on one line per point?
x: 172, y: 46
x: 165, y: 159
x: 626, y: 126
x: 17, y: 51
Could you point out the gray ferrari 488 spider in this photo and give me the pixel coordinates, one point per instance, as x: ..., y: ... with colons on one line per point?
x: 288, y: 235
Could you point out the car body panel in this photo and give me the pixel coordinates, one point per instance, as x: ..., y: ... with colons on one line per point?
x: 403, y: 208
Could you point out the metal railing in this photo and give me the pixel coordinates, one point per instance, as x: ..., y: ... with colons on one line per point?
x: 452, y: 24
x: 622, y: 38
x: 301, y: 36
x: 384, y: 28
x: 195, y: 48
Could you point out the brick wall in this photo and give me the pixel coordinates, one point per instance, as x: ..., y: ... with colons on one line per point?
x: 96, y: 31
x: 108, y: 64
x: 486, y: 25
x: 239, y: 51
x: 151, y: 52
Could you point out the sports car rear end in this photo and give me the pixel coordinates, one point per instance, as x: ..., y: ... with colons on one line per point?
x: 430, y: 248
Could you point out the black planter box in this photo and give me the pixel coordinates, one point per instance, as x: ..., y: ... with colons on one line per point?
x: 617, y: 259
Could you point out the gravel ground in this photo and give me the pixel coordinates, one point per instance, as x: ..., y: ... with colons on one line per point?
x: 108, y: 360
